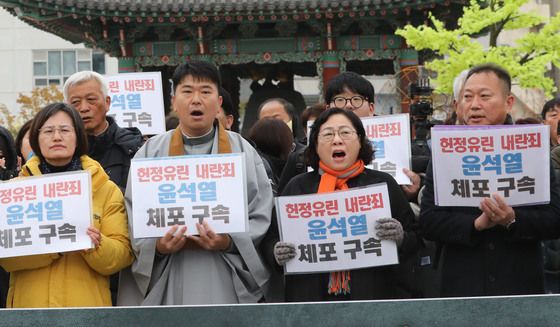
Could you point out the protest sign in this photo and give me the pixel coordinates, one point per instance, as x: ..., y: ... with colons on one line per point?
x: 137, y: 101
x: 336, y: 231
x: 186, y: 190
x: 45, y: 214
x: 390, y: 138
x: 473, y: 162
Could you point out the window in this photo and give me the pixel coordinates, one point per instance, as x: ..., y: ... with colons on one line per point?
x: 55, y: 66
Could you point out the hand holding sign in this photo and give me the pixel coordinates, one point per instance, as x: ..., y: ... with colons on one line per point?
x: 95, y: 235
x: 411, y: 190
x: 389, y: 229
x: 284, y: 252
x: 498, y: 210
x: 209, y: 240
x: 172, y: 241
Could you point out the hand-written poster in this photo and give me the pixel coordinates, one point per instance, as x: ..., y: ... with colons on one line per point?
x: 473, y: 162
x: 137, y: 101
x: 186, y: 190
x: 45, y: 214
x: 336, y: 231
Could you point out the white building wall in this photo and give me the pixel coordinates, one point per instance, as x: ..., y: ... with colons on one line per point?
x: 17, y: 42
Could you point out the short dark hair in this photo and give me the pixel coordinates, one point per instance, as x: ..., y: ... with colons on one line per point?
x: 311, y: 111
x: 272, y: 137
x: 352, y: 82
x: 287, y: 105
x: 199, y: 70
x: 499, y: 71
x: 227, y: 104
x: 366, y: 150
x: 47, y: 112
x: 19, y: 138
x: 549, y: 105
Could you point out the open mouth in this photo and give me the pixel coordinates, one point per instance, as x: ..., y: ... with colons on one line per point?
x: 338, y: 154
x: 196, y: 113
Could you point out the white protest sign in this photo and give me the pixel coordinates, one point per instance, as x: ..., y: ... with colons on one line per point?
x: 473, y: 162
x: 137, y: 101
x: 390, y: 137
x: 45, y: 214
x: 186, y: 190
x: 335, y: 231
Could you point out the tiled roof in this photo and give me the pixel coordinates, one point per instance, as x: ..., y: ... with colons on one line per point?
x: 215, y: 6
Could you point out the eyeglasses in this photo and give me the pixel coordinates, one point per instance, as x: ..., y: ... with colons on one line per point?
x: 356, y: 101
x: 49, y: 131
x: 345, y: 133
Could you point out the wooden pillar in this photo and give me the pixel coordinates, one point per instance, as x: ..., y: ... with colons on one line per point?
x: 331, y: 67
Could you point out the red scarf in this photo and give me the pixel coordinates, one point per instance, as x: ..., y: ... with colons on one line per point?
x: 332, y: 180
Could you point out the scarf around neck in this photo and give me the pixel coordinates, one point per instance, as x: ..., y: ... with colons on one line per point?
x: 177, y: 147
x: 332, y: 180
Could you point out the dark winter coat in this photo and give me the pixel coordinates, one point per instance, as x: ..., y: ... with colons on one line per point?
x: 368, y: 283
x: 114, y: 149
x: 497, y: 261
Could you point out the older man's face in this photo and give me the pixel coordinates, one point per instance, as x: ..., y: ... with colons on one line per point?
x: 88, y: 99
x: 485, y: 100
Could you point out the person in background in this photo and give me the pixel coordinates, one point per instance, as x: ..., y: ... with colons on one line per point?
x: 278, y: 108
x: 273, y: 140
x: 171, y: 121
x: 78, y: 278
x: 8, y: 169
x: 23, y: 148
x: 338, y: 152
x: 112, y: 146
x: 226, y: 114
x: 8, y: 156
x: 310, y: 114
x: 550, y: 115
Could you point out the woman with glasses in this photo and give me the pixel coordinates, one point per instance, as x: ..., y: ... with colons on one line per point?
x: 338, y: 152
x: 78, y: 278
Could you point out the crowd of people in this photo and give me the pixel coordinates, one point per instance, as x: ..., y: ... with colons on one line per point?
x: 495, y: 249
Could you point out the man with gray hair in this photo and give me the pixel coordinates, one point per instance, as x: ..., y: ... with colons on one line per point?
x: 108, y: 143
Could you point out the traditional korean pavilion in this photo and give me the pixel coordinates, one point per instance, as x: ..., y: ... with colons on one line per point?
x: 306, y: 37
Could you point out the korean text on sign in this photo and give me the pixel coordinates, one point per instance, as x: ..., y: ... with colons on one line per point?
x: 336, y: 231
x: 471, y: 163
x: 46, y: 214
x: 187, y: 190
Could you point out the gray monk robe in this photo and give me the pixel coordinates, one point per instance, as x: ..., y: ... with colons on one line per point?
x: 197, y: 276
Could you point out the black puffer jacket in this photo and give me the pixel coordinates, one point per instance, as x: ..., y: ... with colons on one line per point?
x: 114, y: 149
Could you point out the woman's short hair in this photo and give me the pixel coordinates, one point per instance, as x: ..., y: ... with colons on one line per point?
x: 272, y: 137
x: 47, y: 112
x: 19, y: 138
x: 366, y: 150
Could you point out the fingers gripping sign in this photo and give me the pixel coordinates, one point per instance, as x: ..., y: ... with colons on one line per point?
x: 498, y: 210
x: 495, y: 211
x: 209, y: 240
x: 172, y: 241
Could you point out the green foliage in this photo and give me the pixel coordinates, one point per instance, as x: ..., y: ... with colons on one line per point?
x: 527, y: 61
x: 30, y: 105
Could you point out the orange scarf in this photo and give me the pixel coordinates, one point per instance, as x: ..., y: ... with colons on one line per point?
x: 177, y: 148
x: 332, y: 180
